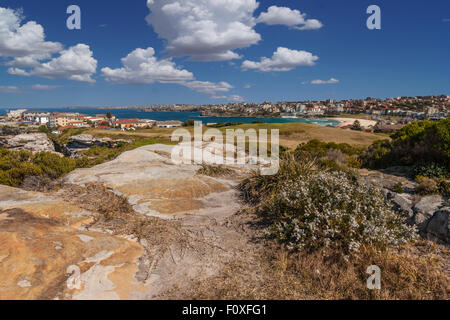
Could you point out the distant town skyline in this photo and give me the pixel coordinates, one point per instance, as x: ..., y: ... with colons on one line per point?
x: 202, y: 52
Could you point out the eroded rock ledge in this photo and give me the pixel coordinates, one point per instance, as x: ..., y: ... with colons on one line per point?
x: 54, y: 246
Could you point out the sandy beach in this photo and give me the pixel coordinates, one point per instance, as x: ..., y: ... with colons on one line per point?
x: 350, y: 121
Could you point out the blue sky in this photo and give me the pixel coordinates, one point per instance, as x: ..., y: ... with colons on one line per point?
x: 408, y: 56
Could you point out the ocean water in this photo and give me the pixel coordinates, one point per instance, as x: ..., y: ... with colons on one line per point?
x: 181, y: 116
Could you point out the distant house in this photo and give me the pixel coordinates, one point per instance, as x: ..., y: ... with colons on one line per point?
x: 145, y: 123
x: 15, y: 114
x: 126, y: 123
x: 36, y: 116
x: 62, y: 119
x: 79, y: 124
x: 169, y: 124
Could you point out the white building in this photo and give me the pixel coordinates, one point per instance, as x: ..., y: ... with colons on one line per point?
x: 15, y: 114
x: 39, y: 117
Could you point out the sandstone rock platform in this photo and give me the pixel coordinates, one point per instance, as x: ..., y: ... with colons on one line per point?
x: 53, y: 246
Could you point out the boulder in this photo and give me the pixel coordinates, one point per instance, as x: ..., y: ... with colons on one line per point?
x: 35, y: 142
x: 86, y: 141
x: 425, y: 209
x: 403, y: 203
x: 82, y: 138
x: 438, y: 226
x: 389, y: 180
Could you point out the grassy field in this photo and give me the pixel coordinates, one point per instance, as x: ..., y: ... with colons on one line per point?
x: 291, y: 134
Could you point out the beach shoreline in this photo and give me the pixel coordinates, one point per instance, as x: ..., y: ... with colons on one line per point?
x: 349, y: 121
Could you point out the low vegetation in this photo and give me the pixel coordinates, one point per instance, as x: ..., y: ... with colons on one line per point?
x: 324, y: 227
x: 23, y: 168
x: 420, y: 143
x: 17, y: 166
x: 214, y: 171
x: 309, y: 207
x: 424, y: 146
x: 408, y: 273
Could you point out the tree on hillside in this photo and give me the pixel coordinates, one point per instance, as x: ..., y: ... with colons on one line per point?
x: 109, y: 115
x: 356, y: 125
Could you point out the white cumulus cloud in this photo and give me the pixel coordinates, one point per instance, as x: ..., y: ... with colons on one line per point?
x: 288, y: 17
x: 76, y: 63
x: 318, y: 82
x: 283, y: 59
x: 31, y: 55
x: 24, y: 42
x: 142, y: 67
x: 207, y: 87
x: 204, y: 30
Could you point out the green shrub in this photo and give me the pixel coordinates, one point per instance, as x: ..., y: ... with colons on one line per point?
x: 419, y: 143
x: 188, y: 123
x: 444, y: 188
x: 398, y: 188
x: 308, y: 208
x: 16, y: 166
x: 431, y: 170
x: 426, y: 186
x: 319, y: 148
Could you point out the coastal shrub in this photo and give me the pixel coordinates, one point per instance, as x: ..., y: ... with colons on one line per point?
x: 431, y: 170
x: 188, y: 123
x: 419, y: 143
x: 311, y: 208
x: 320, y: 148
x: 16, y: 166
x: 444, y: 188
x: 342, y: 153
x: 330, y: 210
x: 398, y: 188
x: 426, y: 186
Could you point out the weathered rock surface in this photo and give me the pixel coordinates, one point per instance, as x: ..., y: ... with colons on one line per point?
x: 46, y: 254
x: 438, y: 226
x: 35, y: 142
x: 428, y: 213
x: 156, y: 187
x: 425, y: 209
x: 51, y: 248
x: 389, y: 181
x: 403, y: 203
x: 83, y: 142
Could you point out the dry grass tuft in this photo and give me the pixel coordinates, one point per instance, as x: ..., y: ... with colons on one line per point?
x: 214, y: 171
x: 411, y: 272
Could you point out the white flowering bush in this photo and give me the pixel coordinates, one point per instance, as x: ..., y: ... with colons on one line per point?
x: 332, y: 209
